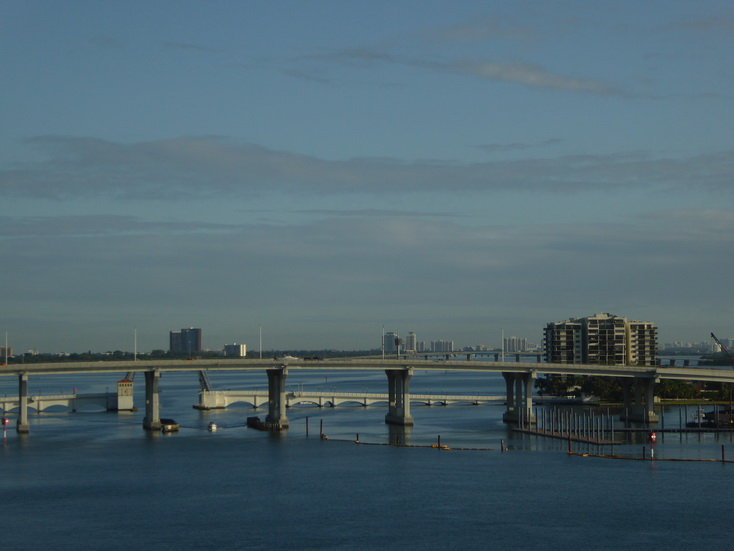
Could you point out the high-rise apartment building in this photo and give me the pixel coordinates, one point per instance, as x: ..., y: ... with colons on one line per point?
x: 516, y: 344
x: 389, y: 345
x: 411, y: 342
x: 442, y: 346
x: 185, y: 341
x: 601, y: 339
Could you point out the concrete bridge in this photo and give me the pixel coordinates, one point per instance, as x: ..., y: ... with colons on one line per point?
x: 638, y: 381
x: 496, y: 355
x: 109, y: 401
x: 219, y: 399
x: 121, y: 400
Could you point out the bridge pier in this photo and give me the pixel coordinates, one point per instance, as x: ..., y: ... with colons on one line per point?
x: 22, y: 426
x: 519, y: 398
x: 152, y: 420
x: 399, y: 435
x: 398, y: 390
x: 276, y: 418
x: 124, y: 400
x: 642, y: 409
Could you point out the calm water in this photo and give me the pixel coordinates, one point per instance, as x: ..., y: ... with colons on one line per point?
x: 96, y: 480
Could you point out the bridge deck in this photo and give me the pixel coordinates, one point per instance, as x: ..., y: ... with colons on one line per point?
x: 725, y: 375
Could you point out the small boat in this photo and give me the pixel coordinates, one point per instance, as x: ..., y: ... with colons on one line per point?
x: 212, y: 427
x: 169, y: 425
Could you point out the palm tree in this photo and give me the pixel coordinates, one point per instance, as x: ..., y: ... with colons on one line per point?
x: 398, y: 342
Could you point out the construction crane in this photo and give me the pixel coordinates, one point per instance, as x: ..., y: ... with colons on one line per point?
x: 724, y: 349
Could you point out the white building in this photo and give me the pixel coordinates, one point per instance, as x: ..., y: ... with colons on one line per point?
x: 235, y: 350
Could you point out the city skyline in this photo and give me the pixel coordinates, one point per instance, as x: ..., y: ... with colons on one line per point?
x: 410, y: 342
x: 323, y: 171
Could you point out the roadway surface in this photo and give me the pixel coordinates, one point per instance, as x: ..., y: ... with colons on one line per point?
x: 720, y: 374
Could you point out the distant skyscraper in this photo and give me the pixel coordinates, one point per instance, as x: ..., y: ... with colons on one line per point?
x: 411, y: 342
x: 388, y: 342
x: 516, y: 344
x: 442, y: 346
x: 185, y: 341
x: 601, y: 339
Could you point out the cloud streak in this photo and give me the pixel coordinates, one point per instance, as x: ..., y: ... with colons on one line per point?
x: 191, y: 167
x: 531, y: 75
x: 517, y: 146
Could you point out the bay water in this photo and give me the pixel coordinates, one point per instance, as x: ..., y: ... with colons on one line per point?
x: 97, y: 480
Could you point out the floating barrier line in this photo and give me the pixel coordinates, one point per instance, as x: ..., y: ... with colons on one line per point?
x: 649, y: 459
x: 686, y: 430
x: 426, y: 446
x: 566, y: 436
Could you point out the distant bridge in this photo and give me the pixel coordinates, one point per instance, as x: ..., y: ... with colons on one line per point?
x: 122, y: 400
x: 104, y: 400
x: 219, y: 399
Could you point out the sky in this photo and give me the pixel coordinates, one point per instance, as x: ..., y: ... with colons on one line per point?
x: 323, y: 171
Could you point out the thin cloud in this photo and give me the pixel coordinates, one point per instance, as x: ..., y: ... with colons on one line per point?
x: 480, y: 30
x: 188, y: 46
x: 353, y: 56
x: 303, y: 74
x: 211, y: 166
x: 532, y: 76
x: 517, y: 146
x: 724, y: 24
x: 378, y: 213
x: 525, y: 74
x: 109, y: 225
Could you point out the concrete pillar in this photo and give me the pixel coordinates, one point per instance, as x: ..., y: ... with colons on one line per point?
x: 525, y: 398
x: 638, y: 394
x: 22, y: 425
x: 510, y: 415
x: 626, y: 398
x: 152, y: 420
x: 399, y: 435
x: 398, y: 389
x: 519, y: 400
x: 639, y: 402
x: 276, y: 398
x: 649, y: 389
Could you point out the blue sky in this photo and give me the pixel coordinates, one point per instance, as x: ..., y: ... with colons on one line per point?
x: 324, y: 169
